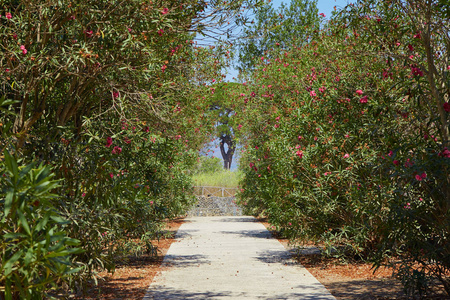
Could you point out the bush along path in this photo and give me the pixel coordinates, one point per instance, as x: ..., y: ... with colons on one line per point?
x: 347, y: 139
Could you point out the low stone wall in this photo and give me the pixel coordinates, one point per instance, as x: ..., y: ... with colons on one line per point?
x: 215, y: 206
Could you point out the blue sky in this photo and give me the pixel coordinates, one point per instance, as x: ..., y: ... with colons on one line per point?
x: 324, y: 6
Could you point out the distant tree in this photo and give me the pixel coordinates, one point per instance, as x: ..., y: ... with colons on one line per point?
x: 222, y: 107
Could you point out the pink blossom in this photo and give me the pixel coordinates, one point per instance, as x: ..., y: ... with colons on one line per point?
x: 322, y: 15
x: 111, y: 175
x: 239, y: 126
x: 109, y: 141
x: 418, y: 177
x: 165, y: 11
x: 83, y: 195
x: 115, y: 94
x: 116, y: 150
x: 445, y: 153
x: 407, y: 206
x: 417, y: 35
x: 160, y: 32
x: 396, y: 162
x: 300, y: 137
x: 359, y: 92
x: 8, y: 15
x: 299, y: 153
x: 163, y: 68
x: 24, y: 50
x: 416, y: 71
x: 363, y: 99
x: 408, y: 163
x: 390, y: 153
x: 322, y: 89
x: 313, y: 93
x: 446, y: 106
x: 346, y: 155
x: 423, y: 175
x: 410, y: 47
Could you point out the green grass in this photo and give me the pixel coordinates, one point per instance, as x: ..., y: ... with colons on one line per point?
x: 223, y: 179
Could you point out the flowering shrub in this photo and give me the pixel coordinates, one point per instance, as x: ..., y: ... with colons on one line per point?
x: 346, y: 142
x: 107, y: 94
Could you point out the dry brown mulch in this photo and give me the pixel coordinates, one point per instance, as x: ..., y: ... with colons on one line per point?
x: 132, y: 279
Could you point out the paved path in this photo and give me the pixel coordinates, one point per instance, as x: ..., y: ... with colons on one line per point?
x: 231, y: 258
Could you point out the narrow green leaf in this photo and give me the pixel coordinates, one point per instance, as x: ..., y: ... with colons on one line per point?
x: 9, y: 264
x: 23, y: 222
x: 11, y: 164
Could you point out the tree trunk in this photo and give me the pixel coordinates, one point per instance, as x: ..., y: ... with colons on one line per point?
x: 227, y: 155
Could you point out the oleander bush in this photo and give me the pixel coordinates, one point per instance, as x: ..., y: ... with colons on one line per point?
x: 347, y: 139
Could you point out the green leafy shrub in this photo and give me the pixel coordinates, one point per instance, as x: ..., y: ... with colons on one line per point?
x: 36, y: 252
x: 208, y: 165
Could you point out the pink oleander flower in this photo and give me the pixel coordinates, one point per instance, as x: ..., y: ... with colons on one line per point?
x: 416, y: 71
x: 418, y: 177
x: 109, y: 141
x: 363, y: 99
x: 116, y: 150
x: 396, y: 162
x: 346, y: 155
x: 299, y: 153
x: 163, y: 68
x: 313, y: 93
x: 8, y: 15
x: 160, y: 32
x: 446, y: 106
x: 359, y: 92
x: 322, y: 15
x: 445, y: 153
x: 115, y: 94
x: 24, y: 50
x: 165, y: 11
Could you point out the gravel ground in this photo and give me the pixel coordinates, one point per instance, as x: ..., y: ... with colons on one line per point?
x: 215, y: 206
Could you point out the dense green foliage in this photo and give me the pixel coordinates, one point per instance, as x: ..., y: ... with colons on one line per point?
x: 107, y: 95
x: 282, y: 28
x: 207, y: 165
x: 347, y: 139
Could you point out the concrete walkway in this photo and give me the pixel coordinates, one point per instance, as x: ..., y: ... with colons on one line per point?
x: 231, y: 258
